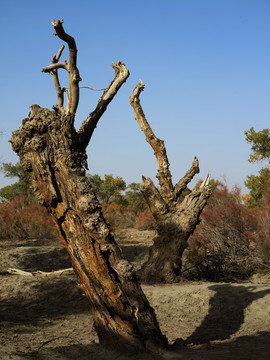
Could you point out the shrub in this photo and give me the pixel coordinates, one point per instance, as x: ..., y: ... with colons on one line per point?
x: 117, y: 215
x: 145, y: 220
x: 227, y: 244
x: 21, y: 220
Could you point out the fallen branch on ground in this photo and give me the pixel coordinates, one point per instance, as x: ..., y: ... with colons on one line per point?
x: 41, y: 273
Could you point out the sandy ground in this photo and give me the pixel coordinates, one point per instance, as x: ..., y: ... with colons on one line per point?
x: 49, y: 319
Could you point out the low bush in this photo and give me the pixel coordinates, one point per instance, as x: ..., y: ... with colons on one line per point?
x: 145, y: 220
x: 121, y: 216
x: 20, y: 219
x: 230, y: 243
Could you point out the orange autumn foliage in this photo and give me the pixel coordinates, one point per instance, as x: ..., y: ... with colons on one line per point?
x: 20, y: 219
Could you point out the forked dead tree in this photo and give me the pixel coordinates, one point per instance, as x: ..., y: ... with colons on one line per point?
x: 54, y: 154
x: 176, y: 215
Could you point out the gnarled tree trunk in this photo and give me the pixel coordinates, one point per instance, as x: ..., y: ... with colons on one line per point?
x: 54, y: 154
x: 176, y: 215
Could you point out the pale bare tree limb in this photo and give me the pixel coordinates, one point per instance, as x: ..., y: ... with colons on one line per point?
x: 41, y: 273
x: 89, y: 125
x: 59, y: 90
x: 56, y: 58
x: 53, y: 70
x: 182, y: 183
x: 163, y: 172
x: 56, y: 66
x: 74, y: 76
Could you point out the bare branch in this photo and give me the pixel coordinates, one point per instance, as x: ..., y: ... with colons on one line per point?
x: 52, y: 69
x: 90, y: 88
x: 68, y: 271
x: 74, y: 76
x: 59, y: 90
x: 163, y: 175
x: 182, y: 183
x: 56, y: 66
x: 89, y: 125
x: 56, y: 58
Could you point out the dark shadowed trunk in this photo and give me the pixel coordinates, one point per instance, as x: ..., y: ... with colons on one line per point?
x: 54, y: 154
x: 176, y: 215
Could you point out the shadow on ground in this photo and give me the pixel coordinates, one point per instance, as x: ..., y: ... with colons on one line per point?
x: 243, y: 348
x: 34, y: 298
x: 226, y: 312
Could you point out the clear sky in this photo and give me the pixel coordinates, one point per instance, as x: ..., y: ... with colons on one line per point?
x: 205, y: 63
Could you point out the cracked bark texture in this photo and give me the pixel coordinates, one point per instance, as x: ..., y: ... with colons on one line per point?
x: 54, y: 154
x: 122, y: 315
x: 176, y: 214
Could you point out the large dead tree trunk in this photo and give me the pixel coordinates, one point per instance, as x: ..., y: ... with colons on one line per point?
x: 176, y: 215
x: 54, y: 154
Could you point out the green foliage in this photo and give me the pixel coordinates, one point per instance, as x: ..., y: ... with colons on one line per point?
x: 257, y: 185
x: 108, y: 188
x: 111, y: 187
x: 95, y: 181
x: 22, y: 186
x: 260, y: 144
x: 134, y: 198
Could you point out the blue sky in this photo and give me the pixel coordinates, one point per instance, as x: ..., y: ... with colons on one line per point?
x: 205, y: 63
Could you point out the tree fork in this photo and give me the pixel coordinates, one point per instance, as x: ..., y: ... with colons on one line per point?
x: 176, y: 216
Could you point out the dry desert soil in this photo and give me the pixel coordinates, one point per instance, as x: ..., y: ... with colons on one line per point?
x: 47, y: 318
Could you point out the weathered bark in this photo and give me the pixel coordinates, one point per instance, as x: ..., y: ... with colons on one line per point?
x: 53, y: 152
x: 122, y: 315
x: 176, y: 215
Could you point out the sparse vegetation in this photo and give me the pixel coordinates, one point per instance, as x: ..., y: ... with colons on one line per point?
x: 232, y: 241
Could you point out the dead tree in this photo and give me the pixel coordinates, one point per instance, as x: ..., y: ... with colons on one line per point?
x: 54, y: 154
x: 176, y: 215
